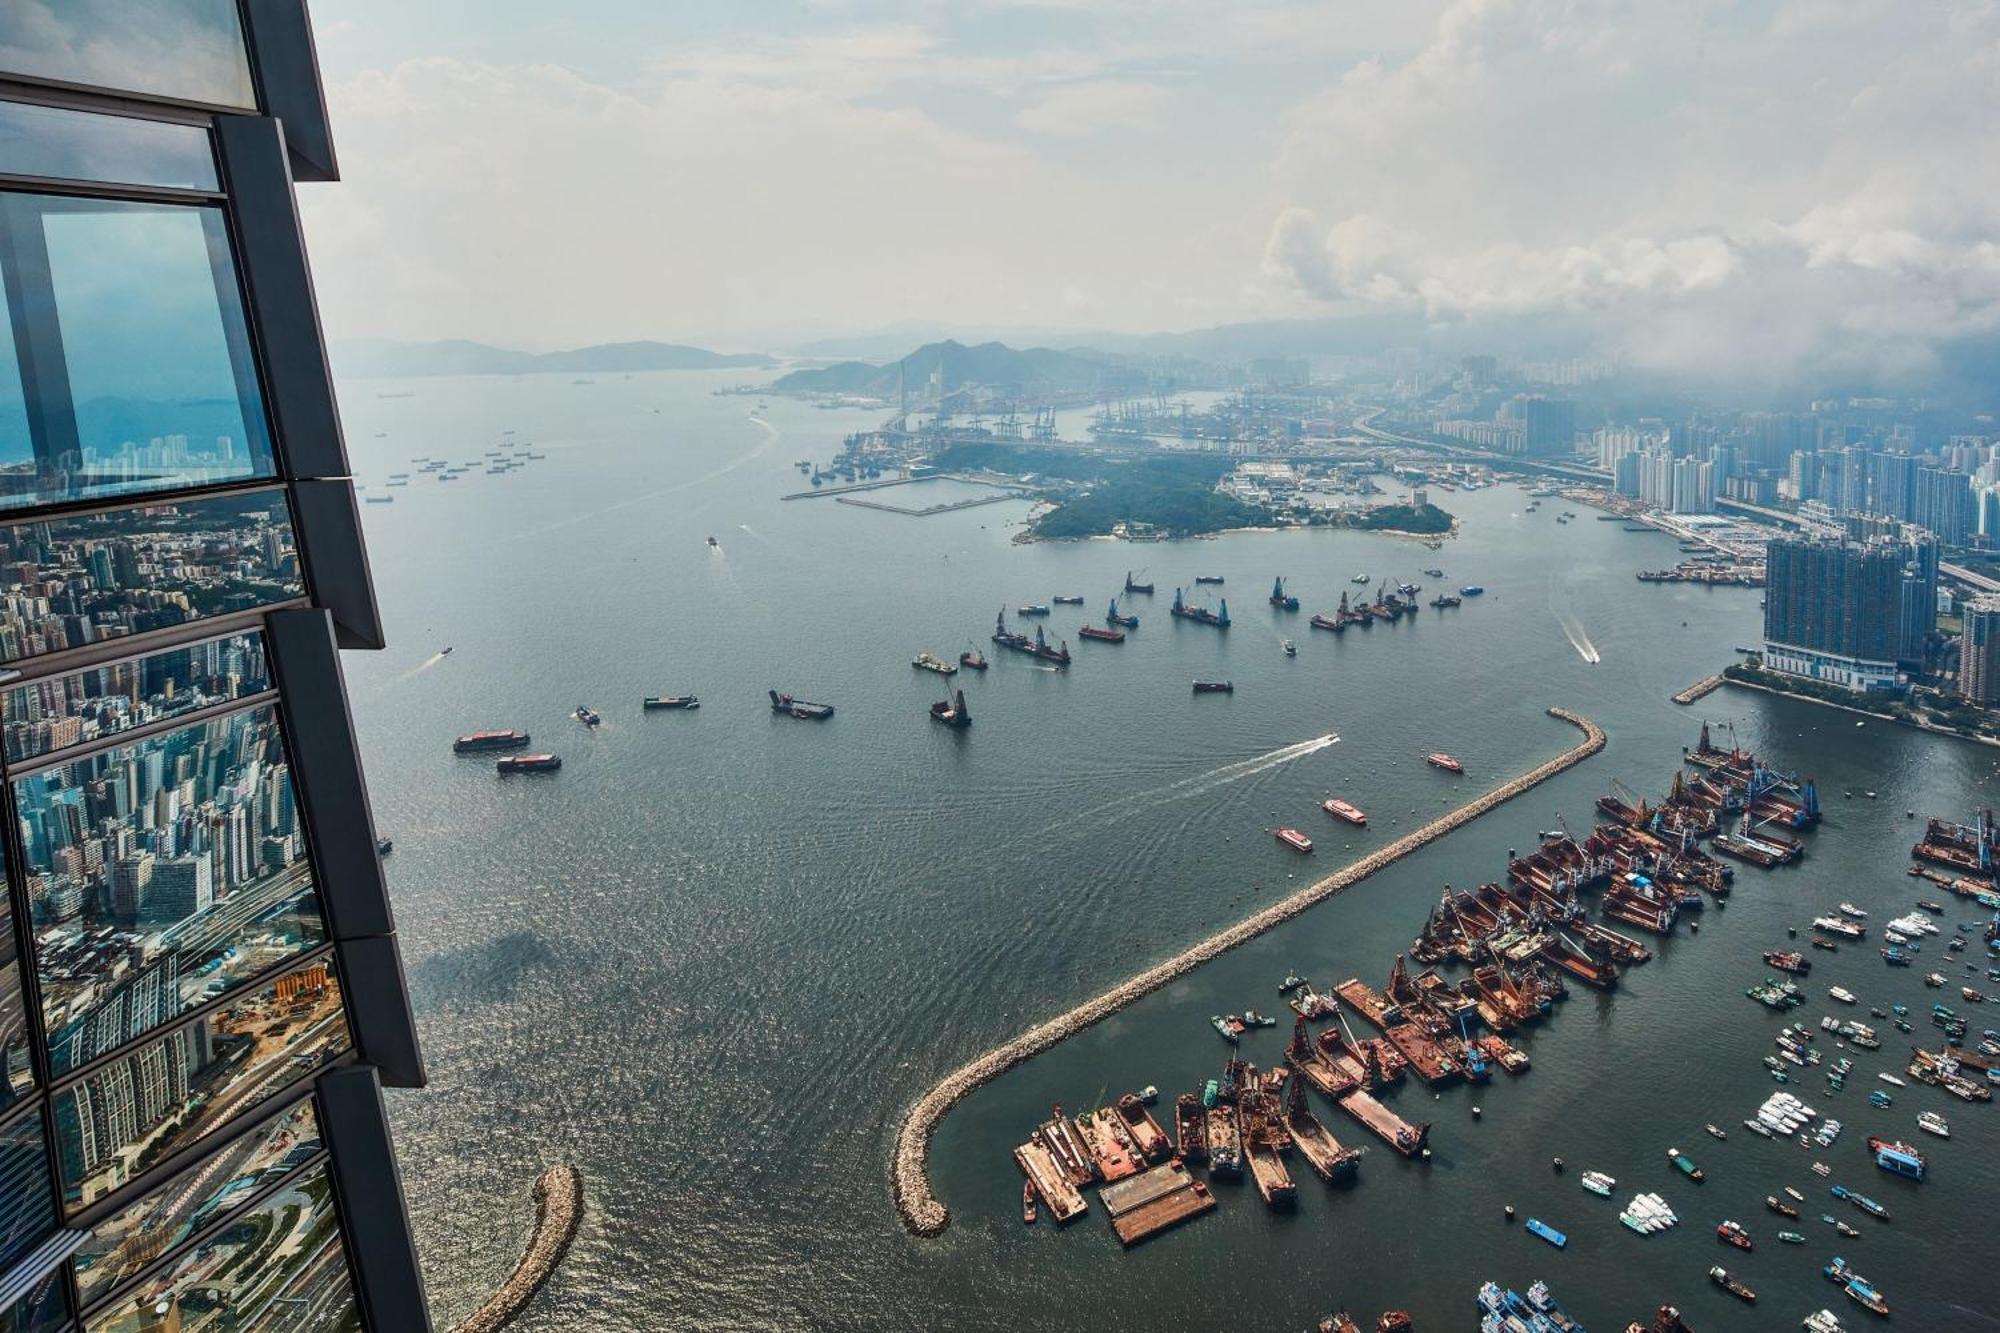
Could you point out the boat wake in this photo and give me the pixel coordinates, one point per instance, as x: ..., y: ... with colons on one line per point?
x: 771, y: 437
x: 422, y: 666
x: 1573, y: 628
x: 1202, y: 783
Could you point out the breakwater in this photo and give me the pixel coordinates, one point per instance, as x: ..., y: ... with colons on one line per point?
x: 558, y: 1212
x: 1707, y: 685
x: 921, y: 1210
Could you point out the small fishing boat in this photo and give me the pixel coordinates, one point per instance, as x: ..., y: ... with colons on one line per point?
x: 1028, y: 1201
x: 1716, y: 1131
x: 1685, y: 1165
x: 1598, y: 1183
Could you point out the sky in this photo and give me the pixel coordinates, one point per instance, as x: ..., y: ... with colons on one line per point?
x: 1701, y: 182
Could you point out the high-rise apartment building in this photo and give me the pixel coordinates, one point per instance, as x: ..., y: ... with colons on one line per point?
x: 201, y: 996
x: 1833, y: 611
x: 1979, y: 652
x: 1944, y: 504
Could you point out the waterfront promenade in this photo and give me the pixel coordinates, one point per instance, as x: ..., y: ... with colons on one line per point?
x: 558, y: 1212
x: 921, y: 1210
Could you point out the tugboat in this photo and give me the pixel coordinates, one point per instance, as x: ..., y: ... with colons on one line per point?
x: 672, y: 701
x: 1281, y: 599
x: 1230, y: 1034
x: 1444, y: 600
x: 1295, y: 840
x: 1444, y: 761
x: 528, y: 763
x: 799, y: 708
x: 1028, y: 1202
x: 952, y: 712
x: 1340, y: 809
x: 1734, y: 1286
x: 1786, y: 960
x: 586, y: 715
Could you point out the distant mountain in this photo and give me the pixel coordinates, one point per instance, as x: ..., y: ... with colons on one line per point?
x: 994, y: 364
x: 384, y: 358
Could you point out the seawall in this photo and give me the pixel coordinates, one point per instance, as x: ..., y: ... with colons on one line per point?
x: 921, y: 1210
x: 558, y: 1212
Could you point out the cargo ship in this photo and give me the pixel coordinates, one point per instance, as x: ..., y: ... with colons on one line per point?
x: 952, y: 712
x: 528, y: 763
x: 1340, y: 809
x: 1102, y: 635
x: 1037, y: 647
x: 1281, y: 599
x: 1112, y: 617
x: 1131, y: 586
x: 1444, y: 761
x: 799, y: 708
x: 1214, y: 687
x: 672, y: 701
x: 1188, y: 611
x: 1295, y: 840
x: 932, y: 662
x: 504, y: 739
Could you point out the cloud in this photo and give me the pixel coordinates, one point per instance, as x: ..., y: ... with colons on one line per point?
x: 1091, y: 108
x: 1640, y: 162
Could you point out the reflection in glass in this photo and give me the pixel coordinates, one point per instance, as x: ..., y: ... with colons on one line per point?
x: 136, y: 327
x: 129, y: 1240
x: 44, y: 1309
x: 73, y: 581
x: 188, y: 50
x: 160, y: 876
x: 27, y: 1209
x: 280, y: 1266
x: 61, y: 144
x: 17, y: 1071
x: 125, y: 1116
x: 58, y: 712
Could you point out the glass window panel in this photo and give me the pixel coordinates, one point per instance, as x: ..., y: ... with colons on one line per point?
x: 63, y: 144
x: 58, y: 712
x: 27, y: 1208
x: 17, y: 443
x: 133, y: 1238
x: 189, y: 50
x: 279, y: 1266
x: 73, y: 581
x: 162, y: 875
x: 45, y: 1309
x: 17, y: 1071
x: 116, y: 1122
x: 148, y: 324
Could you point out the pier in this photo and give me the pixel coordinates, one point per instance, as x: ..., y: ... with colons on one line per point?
x: 1702, y: 688
x: 558, y: 1213
x: 921, y: 1210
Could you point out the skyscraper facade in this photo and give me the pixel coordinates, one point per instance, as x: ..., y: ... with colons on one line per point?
x: 1833, y: 611
x: 201, y: 995
x: 1944, y: 504
x: 1979, y: 652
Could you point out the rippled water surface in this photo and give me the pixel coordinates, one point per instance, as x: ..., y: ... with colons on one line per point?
x: 712, y: 959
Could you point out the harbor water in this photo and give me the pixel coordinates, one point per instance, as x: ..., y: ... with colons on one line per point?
x: 712, y: 960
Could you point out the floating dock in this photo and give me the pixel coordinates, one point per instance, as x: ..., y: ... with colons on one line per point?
x: 1063, y: 1200
x: 1155, y: 1201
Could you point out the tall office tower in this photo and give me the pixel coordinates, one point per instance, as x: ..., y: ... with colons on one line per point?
x: 1944, y: 504
x: 201, y: 996
x: 1833, y: 610
x: 1979, y: 652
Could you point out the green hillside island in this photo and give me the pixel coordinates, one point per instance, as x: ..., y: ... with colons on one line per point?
x: 953, y: 364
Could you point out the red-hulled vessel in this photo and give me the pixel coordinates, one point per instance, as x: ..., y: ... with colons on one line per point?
x: 1102, y: 635
x: 529, y: 763
x: 1445, y: 762
x: 1340, y: 809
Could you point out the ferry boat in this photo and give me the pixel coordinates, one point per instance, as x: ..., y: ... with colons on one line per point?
x: 799, y: 708
x: 1131, y: 586
x: 972, y: 661
x: 1732, y: 1233
x: 1112, y: 617
x: 1101, y: 634
x: 586, y: 715
x: 1444, y: 761
x: 503, y: 739
x: 1933, y: 1123
x: 1472, y: 590
x: 528, y: 763
x: 1214, y: 687
x: 1897, y: 1158
x: 932, y: 662
x: 952, y: 712
x: 1295, y: 840
x: 672, y: 701
x: 1340, y: 809
x: 1685, y: 1165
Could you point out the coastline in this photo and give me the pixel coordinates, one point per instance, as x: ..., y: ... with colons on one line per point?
x: 925, y: 1215
x: 1863, y: 712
